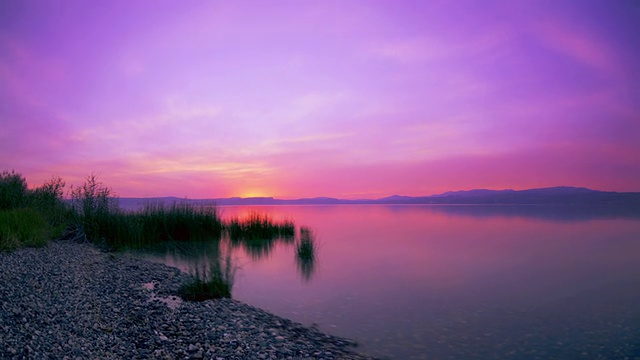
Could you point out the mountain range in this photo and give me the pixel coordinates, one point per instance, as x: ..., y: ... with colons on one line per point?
x: 560, y: 195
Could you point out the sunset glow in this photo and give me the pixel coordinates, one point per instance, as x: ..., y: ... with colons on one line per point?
x: 349, y: 99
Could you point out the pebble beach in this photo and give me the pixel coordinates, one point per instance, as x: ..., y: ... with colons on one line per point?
x: 74, y: 301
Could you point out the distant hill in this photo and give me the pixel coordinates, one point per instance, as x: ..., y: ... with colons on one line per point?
x: 560, y: 195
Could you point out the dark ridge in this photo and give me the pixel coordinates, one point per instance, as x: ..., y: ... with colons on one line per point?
x: 559, y: 195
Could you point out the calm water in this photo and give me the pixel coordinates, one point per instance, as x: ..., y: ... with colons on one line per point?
x: 455, y: 282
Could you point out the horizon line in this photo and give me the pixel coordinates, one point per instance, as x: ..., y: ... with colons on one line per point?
x: 275, y: 197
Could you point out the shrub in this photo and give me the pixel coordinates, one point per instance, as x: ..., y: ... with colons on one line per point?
x: 13, y: 190
x: 48, y: 199
x: 94, y: 204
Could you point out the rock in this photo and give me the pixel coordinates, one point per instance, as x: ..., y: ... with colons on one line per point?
x: 69, y: 300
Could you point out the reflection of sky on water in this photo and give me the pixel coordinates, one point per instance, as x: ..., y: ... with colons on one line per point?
x: 409, y: 281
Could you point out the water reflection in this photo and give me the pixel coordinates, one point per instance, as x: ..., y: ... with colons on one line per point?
x: 556, y: 213
x: 215, y: 261
x: 413, y: 282
x: 192, y: 257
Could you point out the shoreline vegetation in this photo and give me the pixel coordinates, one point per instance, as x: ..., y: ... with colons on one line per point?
x: 29, y: 218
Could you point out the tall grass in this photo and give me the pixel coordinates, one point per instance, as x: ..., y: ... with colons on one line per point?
x: 180, y: 222
x: 102, y: 221
x: 23, y: 228
x: 155, y: 223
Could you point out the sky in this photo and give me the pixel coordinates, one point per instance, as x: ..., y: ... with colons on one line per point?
x: 349, y: 99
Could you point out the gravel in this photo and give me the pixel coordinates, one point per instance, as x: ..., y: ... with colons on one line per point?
x: 73, y: 301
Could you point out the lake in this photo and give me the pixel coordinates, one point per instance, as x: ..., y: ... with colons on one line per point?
x: 448, y: 282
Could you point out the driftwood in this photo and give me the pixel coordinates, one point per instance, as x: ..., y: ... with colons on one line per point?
x: 75, y: 233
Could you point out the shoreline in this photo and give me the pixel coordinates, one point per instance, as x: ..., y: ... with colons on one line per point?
x: 72, y: 300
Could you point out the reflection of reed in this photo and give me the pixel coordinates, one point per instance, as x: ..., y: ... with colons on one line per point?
x: 213, y: 274
x: 306, y: 254
x: 208, y: 262
x: 255, y: 248
x: 211, y: 280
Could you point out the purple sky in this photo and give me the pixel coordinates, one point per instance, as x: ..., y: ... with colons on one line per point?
x: 321, y: 98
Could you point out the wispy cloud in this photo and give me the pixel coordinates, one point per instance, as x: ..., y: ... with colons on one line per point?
x: 586, y: 49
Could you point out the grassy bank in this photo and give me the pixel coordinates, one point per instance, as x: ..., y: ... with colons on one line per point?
x: 30, y: 217
x: 22, y: 228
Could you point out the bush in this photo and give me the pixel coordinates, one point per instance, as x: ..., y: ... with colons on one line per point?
x: 13, y: 190
x: 48, y: 199
x: 93, y: 203
x: 30, y: 217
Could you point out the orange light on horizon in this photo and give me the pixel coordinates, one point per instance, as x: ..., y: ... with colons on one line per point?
x: 252, y: 192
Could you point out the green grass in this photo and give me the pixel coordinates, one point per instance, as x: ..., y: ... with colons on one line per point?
x: 23, y: 228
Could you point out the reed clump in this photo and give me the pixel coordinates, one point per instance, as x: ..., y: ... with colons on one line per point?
x: 257, y: 226
x: 306, y: 247
x: 306, y: 250
x: 156, y: 223
x: 258, y: 233
x: 100, y: 220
